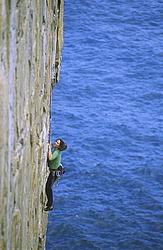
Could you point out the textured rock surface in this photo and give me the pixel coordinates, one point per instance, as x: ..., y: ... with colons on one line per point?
x: 30, y: 49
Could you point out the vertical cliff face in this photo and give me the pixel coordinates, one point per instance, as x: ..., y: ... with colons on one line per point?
x: 30, y: 50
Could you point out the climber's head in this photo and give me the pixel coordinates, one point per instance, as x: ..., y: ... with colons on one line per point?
x: 59, y: 143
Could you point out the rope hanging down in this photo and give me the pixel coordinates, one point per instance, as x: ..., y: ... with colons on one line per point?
x: 50, y: 111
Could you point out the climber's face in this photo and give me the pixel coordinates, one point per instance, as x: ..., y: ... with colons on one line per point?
x: 57, y: 143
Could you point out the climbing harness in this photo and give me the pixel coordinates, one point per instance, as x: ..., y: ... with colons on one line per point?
x: 58, y: 173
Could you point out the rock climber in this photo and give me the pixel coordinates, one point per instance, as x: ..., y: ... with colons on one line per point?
x: 56, y: 170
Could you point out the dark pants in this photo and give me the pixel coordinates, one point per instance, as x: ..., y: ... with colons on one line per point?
x: 48, y: 189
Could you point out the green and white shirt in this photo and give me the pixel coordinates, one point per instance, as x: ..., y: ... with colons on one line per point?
x: 55, y: 161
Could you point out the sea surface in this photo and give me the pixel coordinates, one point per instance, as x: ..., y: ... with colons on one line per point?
x: 108, y: 107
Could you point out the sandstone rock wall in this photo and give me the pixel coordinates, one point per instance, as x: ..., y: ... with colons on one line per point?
x: 30, y: 52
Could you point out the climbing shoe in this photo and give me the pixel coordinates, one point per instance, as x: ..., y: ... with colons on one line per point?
x: 48, y: 208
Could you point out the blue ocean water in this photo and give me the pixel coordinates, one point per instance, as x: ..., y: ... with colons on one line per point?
x: 108, y: 107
